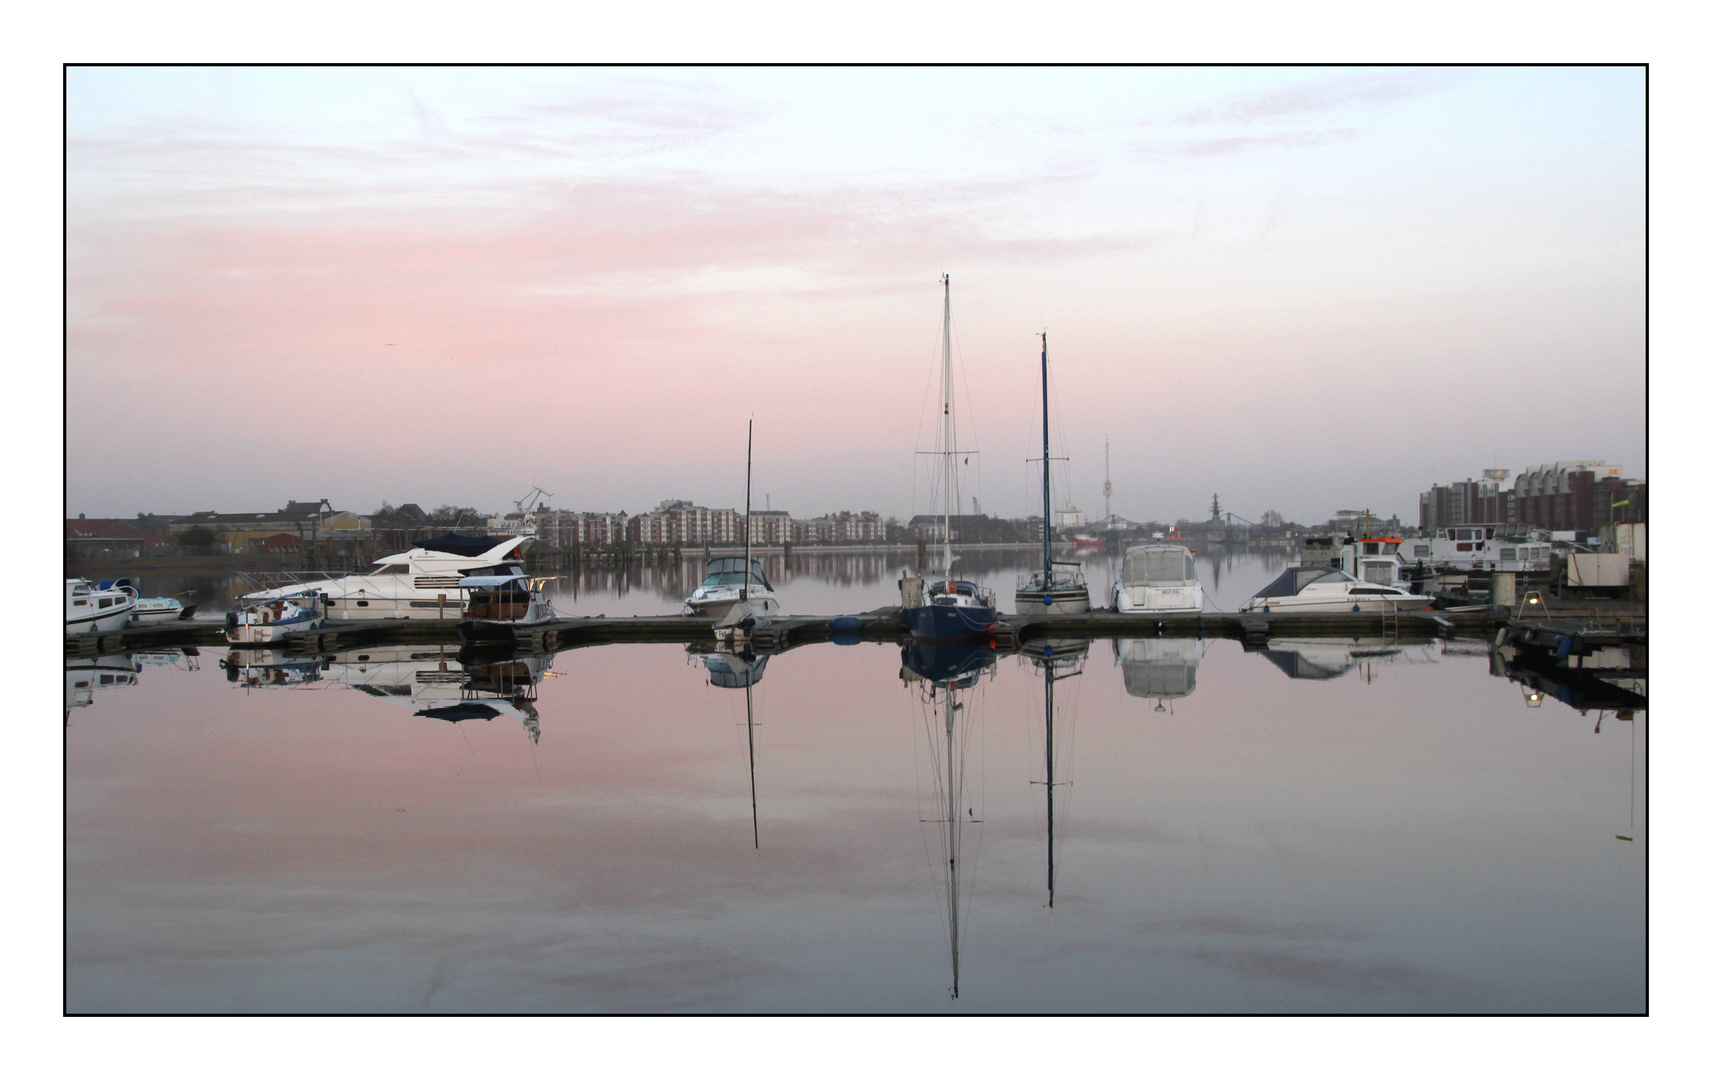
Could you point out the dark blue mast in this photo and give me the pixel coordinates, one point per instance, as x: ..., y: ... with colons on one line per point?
x: 1045, y: 473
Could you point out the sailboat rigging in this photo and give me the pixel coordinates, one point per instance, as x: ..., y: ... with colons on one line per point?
x: 947, y: 609
x: 944, y: 671
x: 1063, y: 589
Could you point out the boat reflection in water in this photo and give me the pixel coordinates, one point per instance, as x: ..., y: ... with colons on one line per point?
x: 457, y: 685
x: 1333, y: 658
x: 1056, y: 660
x: 944, y: 676
x: 732, y: 671
x: 86, y: 674
x: 1159, y: 668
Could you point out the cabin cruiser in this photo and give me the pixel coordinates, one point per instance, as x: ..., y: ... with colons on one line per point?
x: 152, y: 610
x: 1157, y: 579
x: 268, y: 621
x: 97, y: 609
x: 421, y: 583
x: 1328, y: 588
x: 729, y: 671
x: 1481, y: 547
x: 724, y: 588
x: 502, y: 609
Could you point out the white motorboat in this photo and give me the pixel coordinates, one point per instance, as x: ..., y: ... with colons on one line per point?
x: 733, y: 585
x: 1328, y: 588
x: 422, y: 583
x: 1157, y: 579
x: 152, y: 610
x: 946, y: 610
x: 725, y: 586
x: 1056, y: 587
x: 97, y: 609
x: 268, y: 621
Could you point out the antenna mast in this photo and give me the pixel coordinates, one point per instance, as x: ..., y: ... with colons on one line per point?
x: 1108, y: 481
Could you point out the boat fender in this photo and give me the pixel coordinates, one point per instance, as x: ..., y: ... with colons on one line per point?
x: 1356, y: 608
x: 1564, y: 644
x: 847, y: 624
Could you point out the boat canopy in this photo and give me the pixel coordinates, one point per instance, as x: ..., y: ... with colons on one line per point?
x: 467, y: 546
x: 1296, y: 578
x: 1166, y: 565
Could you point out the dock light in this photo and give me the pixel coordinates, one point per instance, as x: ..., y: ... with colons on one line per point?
x: 1533, y: 698
x: 1533, y: 599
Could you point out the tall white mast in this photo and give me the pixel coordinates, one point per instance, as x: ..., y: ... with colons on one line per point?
x: 945, y: 393
x: 748, y: 517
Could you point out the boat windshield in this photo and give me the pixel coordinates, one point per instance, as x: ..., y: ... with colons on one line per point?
x: 733, y: 577
x: 1297, y: 578
x: 729, y: 571
x: 1159, y: 566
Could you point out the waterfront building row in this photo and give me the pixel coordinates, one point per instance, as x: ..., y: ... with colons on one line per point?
x: 1569, y: 496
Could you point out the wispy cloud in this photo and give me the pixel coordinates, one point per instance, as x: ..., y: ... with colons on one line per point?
x: 1236, y: 144
x: 1320, y: 95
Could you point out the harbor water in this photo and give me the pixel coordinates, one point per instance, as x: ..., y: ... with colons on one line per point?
x: 1320, y: 826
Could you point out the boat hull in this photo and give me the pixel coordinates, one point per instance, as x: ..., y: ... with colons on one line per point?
x: 719, y: 609
x: 950, y: 622
x: 112, y: 619
x: 1147, y: 600
x: 1292, y: 605
x: 1072, y: 601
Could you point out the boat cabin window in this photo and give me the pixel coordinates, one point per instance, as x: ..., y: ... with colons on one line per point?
x: 394, y: 568
x: 1423, y: 551
x: 1507, y: 554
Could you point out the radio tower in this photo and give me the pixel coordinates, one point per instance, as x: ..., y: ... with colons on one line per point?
x: 1108, y: 481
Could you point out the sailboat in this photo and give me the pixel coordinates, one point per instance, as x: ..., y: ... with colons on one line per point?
x: 943, y: 671
x: 1055, y: 587
x: 947, y: 609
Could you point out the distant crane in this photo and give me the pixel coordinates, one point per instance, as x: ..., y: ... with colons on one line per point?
x: 531, y: 500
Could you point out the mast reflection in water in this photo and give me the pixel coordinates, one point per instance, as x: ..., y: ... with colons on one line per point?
x: 945, y: 677
x: 1056, y: 660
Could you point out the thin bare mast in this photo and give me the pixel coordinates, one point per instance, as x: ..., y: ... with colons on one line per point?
x: 945, y: 388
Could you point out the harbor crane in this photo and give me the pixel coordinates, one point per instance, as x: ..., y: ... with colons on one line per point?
x: 531, y: 500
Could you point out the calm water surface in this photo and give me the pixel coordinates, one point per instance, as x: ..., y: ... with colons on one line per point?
x: 1325, y: 826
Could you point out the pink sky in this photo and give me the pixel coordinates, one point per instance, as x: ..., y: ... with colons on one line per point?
x: 1303, y: 289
